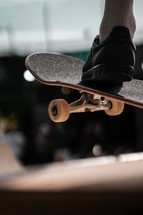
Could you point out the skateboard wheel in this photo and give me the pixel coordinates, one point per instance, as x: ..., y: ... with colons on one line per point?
x: 65, y: 90
x: 59, y: 110
x: 116, y: 108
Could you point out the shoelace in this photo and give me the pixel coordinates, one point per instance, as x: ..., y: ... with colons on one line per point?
x: 95, y: 43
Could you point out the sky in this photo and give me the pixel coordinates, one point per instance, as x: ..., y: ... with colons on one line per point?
x: 60, y: 25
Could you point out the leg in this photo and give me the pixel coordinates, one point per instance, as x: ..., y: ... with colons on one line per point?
x: 112, y: 56
x: 117, y: 13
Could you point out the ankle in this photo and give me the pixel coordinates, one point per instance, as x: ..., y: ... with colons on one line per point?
x: 117, y: 13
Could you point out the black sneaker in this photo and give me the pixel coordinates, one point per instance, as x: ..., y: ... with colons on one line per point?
x: 112, y: 60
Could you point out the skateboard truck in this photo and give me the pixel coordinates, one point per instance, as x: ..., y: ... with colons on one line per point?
x: 59, y: 110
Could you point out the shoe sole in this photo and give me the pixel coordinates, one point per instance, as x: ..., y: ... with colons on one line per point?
x: 109, y: 74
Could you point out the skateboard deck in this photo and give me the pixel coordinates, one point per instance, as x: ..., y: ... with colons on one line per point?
x: 63, y: 70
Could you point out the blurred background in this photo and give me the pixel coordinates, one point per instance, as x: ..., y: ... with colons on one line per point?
x: 65, y: 26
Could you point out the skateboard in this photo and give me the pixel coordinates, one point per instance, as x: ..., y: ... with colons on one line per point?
x: 65, y: 71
